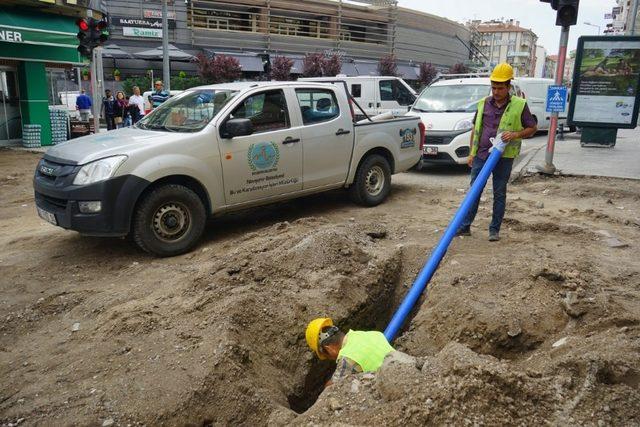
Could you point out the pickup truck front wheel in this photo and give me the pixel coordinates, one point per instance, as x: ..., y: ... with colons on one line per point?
x: 169, y: 221
x: 372, y: 181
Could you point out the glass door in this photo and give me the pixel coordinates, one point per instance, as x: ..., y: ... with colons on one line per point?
x: 10, y: 119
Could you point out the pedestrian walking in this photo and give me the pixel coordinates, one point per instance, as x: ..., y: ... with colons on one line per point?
x: 136, y: 105
x: 159, y: 95
x: 109, y: 109
x: 500, y: 113
x: 83, y: 105
x: 121, y: 110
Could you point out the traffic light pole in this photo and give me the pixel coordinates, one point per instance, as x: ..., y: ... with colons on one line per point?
x: 548, y: 167
x: 95, y: 94
x: 165, y: 48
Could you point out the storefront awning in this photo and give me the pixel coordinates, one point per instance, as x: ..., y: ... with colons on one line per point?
x: 42, y: 37
x: 250, y: 63
x: 408, y: 72
x: 367, y: 68
x: 349, y: 69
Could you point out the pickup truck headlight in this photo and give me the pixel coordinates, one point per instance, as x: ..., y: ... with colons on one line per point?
x: 465, y: 124
x: 99, y: 170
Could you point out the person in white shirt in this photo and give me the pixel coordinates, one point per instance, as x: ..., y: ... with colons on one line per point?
x: 136, y: 101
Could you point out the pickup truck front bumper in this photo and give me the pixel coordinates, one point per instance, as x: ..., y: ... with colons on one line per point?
x: 57, y: 199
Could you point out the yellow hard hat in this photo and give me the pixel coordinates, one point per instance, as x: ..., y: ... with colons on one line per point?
x: 313, y: 334
x: 502, y: 73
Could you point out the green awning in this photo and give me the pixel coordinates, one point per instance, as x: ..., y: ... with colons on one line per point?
x: 30, y: 35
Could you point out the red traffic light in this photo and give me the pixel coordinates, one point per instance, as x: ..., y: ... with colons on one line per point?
x: 82, y: 24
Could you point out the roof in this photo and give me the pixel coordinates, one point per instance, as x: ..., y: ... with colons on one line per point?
x: 465, y: 81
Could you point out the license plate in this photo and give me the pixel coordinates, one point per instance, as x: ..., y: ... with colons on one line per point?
x: 431, y: 151
x: 47, y: 216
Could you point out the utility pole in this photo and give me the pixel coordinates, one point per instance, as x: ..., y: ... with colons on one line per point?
x: 166, y: 72
x: 95, y: 91
x: 548, y: 166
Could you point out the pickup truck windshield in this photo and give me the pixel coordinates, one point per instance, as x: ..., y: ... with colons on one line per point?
x: 187, y: 112
x: 451, y: 98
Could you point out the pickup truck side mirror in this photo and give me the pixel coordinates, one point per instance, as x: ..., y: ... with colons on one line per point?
x: 236, y: 127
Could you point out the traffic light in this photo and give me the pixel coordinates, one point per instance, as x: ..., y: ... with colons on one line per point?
x: 84, y: 37
x: 567, y: 11
x: 92, y: 33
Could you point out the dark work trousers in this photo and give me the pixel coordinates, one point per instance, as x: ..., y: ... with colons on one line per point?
x: 500, y: 177
x: 111, y: 122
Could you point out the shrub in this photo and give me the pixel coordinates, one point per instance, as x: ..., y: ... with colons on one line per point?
x: 458, y: 68
x: 388, y: 66
x: 219, y: 69
x: 281, y: 68
x: 312, y: 65
x: 331, y: 65
x: 427, y: 73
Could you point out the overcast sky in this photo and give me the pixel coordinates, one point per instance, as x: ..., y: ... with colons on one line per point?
x: 531, y: 13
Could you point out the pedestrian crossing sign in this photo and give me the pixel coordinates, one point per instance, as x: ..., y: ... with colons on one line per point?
x: 556, y: 99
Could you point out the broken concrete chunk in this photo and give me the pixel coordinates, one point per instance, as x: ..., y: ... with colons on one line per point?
x: 75, y: 327
x: 108, y: 422
x: 539, y: 205
x: 560, y: 342
x: 572, y: 305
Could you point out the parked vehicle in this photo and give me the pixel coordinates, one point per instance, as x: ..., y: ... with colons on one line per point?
x: 216, y: 149
x: 447, y: 108
x: 535, y: 91
x: 376, y: 94
x: 147, y: 104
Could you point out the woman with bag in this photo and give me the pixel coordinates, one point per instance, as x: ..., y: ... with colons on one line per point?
x: 122, y: 108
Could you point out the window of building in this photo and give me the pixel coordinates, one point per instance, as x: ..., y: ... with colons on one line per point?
x: 317, y: 105
x: 266, y: 110
x: 223, y: 20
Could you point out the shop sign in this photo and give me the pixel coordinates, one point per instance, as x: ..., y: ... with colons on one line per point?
x: 125, y: 21
x: 142, y: 32
x: 34, y: 36
x: 157, y: 14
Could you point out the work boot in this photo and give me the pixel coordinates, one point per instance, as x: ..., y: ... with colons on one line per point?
x: 466, y: 231
x: 494, y: 236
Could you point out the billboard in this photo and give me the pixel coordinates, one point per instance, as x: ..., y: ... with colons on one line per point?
x: 606, y: 82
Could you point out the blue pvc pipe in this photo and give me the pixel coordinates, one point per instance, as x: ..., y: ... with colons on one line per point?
x: 440, y: 250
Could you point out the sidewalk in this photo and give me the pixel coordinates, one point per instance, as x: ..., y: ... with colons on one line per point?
x: 621, y: 161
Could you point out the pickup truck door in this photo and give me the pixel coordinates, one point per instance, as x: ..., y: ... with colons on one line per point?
x: 269, y: 161
x: 327, y: 135
x: 394, y: 97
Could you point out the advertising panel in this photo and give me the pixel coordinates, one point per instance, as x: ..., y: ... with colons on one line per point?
x: 606, y: 82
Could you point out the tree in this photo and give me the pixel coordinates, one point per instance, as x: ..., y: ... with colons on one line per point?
x: 427, y: 73
x: 331, y: 65
x: 312, y: 65
x: 388, y: 66
x: 281, y: 68
x: 458, y: 68
x: 219, y: 69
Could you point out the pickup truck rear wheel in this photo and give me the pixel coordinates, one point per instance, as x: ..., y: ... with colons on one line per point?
x: 169, y: 221
x: 372, y: 183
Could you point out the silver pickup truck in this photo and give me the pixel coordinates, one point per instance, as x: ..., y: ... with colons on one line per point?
x: 214, y: 149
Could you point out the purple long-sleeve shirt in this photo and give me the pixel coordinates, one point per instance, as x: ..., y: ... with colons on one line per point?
x: 491, y: 120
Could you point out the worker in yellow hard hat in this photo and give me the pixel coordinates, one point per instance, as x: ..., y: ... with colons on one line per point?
x: 508, y: 115
x: 355, y: 351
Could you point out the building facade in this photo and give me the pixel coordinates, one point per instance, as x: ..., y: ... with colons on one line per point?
x: 507, y: 41
x: 541, y: 56
x: 551, y: 65
x: 37, y: 44
x: 256, y: 30
x: 621, y: 18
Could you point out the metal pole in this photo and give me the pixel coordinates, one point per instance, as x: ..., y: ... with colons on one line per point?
x: 95, y: 94
x: 634, y: 16
x: 166, y: 74
x: 548, y: 166
x: 79, y: 79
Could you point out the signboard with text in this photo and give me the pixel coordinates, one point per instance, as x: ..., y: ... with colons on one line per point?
x: 556, y: 99
x: 606, y: 82
x: 127, y: 21
x: 142, y: 32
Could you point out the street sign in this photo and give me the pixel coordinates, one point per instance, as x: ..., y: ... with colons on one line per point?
x: 556, y: 99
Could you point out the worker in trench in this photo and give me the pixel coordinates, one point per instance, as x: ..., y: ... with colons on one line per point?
x: 355, y: 351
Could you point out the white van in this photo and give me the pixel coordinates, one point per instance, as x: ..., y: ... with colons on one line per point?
x: 446, y: 108
x: 535, y: 91
x: 376, y: 94
x: 147, y: 104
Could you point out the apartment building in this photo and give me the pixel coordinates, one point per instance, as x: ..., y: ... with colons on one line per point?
x: 507, y: 41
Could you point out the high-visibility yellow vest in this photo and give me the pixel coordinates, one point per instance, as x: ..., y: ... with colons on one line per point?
x: 511, y: 121
x: 366, y: 348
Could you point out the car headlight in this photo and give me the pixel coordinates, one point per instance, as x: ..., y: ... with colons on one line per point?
x: 466, y: 124
x: 99, y: 170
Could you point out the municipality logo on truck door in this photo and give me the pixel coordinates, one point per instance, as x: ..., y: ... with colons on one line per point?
x: 263, y: 157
